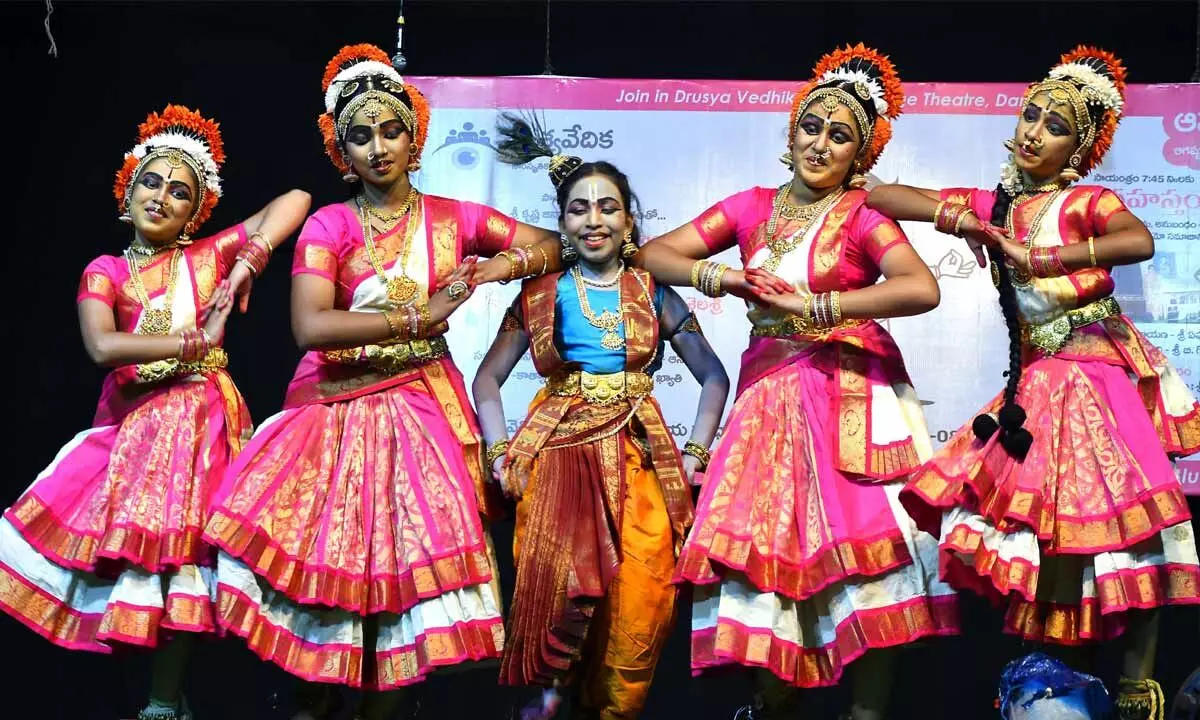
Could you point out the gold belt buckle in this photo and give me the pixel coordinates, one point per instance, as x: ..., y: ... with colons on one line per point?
x: 602, y: 389
x: 422, y: 349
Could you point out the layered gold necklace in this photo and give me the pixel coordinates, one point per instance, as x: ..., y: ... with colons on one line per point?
x: 607, y: 321
x: 153, y: 321
x: 806, y: 215
x: 401, y: 289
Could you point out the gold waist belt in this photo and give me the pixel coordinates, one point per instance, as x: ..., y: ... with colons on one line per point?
x: 796, y: 325
x: 395, y: 357
x: 601, y: 389
x: 1053, y: 335
x: 216, y: 359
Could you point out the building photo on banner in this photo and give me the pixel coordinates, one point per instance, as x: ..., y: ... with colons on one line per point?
x: 949, y: 136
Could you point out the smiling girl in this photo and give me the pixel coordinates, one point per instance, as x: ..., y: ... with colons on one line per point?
x: 105, y: 549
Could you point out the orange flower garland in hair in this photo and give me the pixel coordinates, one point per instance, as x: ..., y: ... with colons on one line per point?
x: 1106, y: 128
x: 889, y: 80
x: 347, y: 57
x: 176, y: 119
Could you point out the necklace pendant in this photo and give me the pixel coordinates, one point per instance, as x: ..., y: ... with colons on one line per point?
x: 401, y: 290
x: 772, y: 262
x: 612, y: 341
x: 155, y: 322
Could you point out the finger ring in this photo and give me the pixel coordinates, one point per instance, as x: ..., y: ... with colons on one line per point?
x: 457, y: 289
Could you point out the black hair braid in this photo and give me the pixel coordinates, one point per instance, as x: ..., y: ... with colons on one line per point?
x: 1013, y: 436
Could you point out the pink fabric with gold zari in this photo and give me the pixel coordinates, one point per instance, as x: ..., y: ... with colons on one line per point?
x: 105, y: 547
x: 354, y: 513
x: 1093, y: 523
x: 802, y: 557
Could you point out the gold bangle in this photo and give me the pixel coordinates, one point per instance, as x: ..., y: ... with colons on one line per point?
x: 512, y: 265
x: 395, y: 327
x: 937, y: 212
x: 266, y: 243
x: 696, y: 268
x: 424, y: 320
x: 698, y: 451
x: 718, y: 276
x: 496, y: 450
x: 545, y: 259
x: 958, y: 223
x: 1092, y: 251
x: 835, y: 306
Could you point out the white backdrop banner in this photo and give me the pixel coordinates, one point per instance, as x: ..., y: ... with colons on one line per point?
x: 687, y: 144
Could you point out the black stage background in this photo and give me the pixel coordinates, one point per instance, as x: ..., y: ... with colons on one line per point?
x: 256, y: 67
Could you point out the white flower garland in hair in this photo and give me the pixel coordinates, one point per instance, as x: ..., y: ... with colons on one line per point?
x: 196, y: 149
x: 854, y: 76
x: 1097, y: 87
x: 1010, y: 177
x: 357, y: 70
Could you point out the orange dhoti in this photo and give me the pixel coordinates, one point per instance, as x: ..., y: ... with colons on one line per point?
x: 595, y: 547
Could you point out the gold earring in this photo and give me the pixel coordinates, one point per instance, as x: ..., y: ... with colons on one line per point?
x: 125, y: 217
x: 857, y: 180
x: 787, y: 160
x: 568, y: 252
x: 1010, y: 145
x: 349, y: 176
x: 1070, y: 174
x: 628, y: 248
x: 185, y: 237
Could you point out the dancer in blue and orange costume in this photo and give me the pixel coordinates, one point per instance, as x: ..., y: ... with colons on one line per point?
x: 353, y: 549
x: 801, y: 556
x: 603, y: 492
x: 1060, y: 499
x: 104, y: 549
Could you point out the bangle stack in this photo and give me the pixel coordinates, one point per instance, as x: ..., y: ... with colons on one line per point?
x: 1044, y: 262
x: 948, y: 217
x: 408, y: 322
x: 698, y: 451
x: 496, y: 450
x: 255, y: 253
x: 825, y: 309
x: 519, y: 257
x: 194, y: 345
x: 706, y: 277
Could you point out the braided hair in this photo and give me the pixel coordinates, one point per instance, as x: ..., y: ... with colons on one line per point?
x: 1010, y: 420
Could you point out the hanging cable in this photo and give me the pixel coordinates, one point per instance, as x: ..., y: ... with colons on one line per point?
x: 53, y: 47
x: 547, y: 69
x: 399, y: 62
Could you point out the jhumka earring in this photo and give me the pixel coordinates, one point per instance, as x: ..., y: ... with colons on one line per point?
x: 628, y: 248
x: 413, y: 163
x: 568, y: 251
x: 349, y: 176
x: 125, y: 217
x: 1010, y: 145
x: 787, y: 160
x: 1070, y: 174
x: 858, y: 180
x: 185, y: 237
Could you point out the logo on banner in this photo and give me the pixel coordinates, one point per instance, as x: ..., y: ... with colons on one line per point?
x: 1183, y: 140
x: 465, y: 144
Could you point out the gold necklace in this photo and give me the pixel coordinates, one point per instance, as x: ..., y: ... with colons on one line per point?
x: 389, y: 217
x: 401, y: 289
x: 608, y: 321
x: 603, y: 283
x: 153, y: 321
x: 805, y: 214
x: 1019, y: 277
